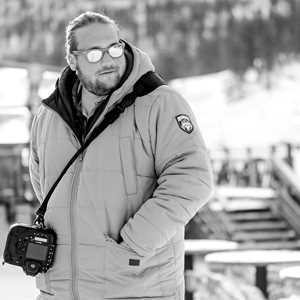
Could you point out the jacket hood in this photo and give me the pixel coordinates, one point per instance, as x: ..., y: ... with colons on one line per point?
x: 141, y: 65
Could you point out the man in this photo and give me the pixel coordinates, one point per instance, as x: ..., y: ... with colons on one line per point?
x: 119, y: 211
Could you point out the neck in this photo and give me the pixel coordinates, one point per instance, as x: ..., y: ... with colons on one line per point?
x: 89, y: 101
x: 89, y: 96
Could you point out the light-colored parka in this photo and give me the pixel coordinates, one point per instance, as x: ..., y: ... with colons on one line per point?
x: 144, y: 178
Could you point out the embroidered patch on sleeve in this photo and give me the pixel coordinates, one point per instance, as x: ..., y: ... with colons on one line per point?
x: 134, y: 262
x: 185, y: 123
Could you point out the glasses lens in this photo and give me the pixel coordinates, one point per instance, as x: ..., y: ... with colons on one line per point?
x: 94, y: 55
x: 116, y: 50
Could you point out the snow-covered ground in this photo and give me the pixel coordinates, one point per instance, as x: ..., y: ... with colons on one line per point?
x: 14, y: 93
x: 15, y: 285
x: 260, y: 118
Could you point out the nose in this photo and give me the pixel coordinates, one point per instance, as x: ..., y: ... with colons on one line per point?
x: 107, y: 58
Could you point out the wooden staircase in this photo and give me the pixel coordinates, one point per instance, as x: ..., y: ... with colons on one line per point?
x: 252, y: 217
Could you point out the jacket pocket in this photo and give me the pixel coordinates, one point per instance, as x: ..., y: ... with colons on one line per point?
x: 128, y: 162
x: 128, y: 275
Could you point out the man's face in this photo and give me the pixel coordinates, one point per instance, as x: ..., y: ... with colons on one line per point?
x: 101, y: 77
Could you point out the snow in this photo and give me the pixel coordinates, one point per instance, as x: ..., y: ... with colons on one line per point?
x: 261, y: 118
x: 14, y: 93
x: 15, y: 285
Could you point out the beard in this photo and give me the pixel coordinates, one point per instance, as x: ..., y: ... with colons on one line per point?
x: 97, y: 86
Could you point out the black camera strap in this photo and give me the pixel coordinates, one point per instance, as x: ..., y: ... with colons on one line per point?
x: 145, y: 85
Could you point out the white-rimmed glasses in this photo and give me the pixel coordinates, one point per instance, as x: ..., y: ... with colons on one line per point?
x: 94, y: 55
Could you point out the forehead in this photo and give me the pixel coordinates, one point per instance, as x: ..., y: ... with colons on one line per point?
x: 96, y: 35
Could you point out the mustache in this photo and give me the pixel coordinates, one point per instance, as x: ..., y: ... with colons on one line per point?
x: 107, y: 69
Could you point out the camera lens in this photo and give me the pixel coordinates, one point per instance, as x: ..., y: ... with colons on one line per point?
x: 31, y: 267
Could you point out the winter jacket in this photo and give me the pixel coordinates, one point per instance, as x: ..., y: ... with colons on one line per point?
x: 143, y: 178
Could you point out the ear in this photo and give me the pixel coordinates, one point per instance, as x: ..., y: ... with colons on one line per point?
x: 72, y: 61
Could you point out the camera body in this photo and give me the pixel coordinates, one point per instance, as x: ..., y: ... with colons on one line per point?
x: 30, y: 247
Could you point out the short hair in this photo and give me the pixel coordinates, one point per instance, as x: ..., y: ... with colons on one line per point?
x: 82, y: 20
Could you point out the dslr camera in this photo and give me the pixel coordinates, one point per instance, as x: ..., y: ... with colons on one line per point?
x: 30, y: 247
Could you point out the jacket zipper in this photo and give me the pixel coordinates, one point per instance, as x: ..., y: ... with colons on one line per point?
x: 73, y: 227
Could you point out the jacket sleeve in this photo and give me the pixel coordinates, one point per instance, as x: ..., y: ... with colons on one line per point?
x: 184, y: 176
x: 34, y: 160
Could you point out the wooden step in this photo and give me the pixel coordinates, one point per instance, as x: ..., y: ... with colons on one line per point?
x: 245, y: 192
x: 263, y: 235
x: 273, y: 245
x: 246, y: 205
x: 259, y: 225
x: 252, y: 216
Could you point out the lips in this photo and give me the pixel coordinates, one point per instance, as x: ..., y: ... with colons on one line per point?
x: 106, y: 72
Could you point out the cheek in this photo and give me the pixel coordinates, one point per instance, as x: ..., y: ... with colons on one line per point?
x: 86, y: 71
x: 85, y: 67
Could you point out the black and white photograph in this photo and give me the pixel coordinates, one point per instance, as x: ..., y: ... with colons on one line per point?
x: 150, y: 150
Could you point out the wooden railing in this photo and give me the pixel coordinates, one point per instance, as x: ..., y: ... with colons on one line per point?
x: 287, y: 184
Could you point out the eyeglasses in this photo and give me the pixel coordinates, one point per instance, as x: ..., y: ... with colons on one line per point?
x: 96, y: 54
